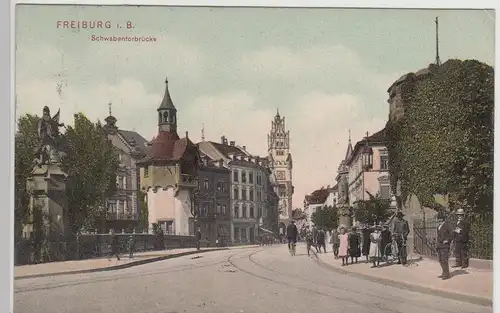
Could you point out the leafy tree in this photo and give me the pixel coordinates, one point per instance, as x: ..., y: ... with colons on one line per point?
x: 373, y: 210
x: 325, y: 217
x: 299, y: 214
x: 92, y: 164
x: 26, y: 139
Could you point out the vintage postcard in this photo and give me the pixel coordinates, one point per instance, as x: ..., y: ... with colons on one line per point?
x: 245, y: 159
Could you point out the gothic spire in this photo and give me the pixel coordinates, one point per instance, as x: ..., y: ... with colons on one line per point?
x: 167, y: 100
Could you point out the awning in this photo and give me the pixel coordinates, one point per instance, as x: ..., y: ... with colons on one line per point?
x: 266, y: 230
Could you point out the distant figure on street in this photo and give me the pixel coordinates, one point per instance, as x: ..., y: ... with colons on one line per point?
x: 334, y: 241
x: 197, y: 237
x: 401, y: 230
x: 365, y: 249
x: 343, y: 246
x: 375, y: 239
x: 320, y: 240
x: 131, y: 246
x: 354, y: 245
x: 444, y: 238
x: 309, y: 241
x: 291, y: 233
x: 461, y: 241
x: 115, y: 246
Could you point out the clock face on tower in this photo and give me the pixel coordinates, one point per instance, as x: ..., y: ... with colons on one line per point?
x: 280, y: 175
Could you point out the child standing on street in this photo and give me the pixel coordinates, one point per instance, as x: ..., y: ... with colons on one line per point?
x: 375, y: 239
x: 343, y: 246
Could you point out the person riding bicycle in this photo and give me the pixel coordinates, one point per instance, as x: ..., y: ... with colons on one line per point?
x: 291, y: 233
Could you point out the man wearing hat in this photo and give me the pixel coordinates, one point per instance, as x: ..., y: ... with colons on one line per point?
x: 461, y: 238
x: 444, y: 238
x: 401, y: 230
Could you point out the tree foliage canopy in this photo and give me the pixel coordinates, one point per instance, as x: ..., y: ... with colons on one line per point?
x: 91, y: 164
x: 443, y: 144
x: 373, y: 210
x: 299, y: 214
x: 325, y: 217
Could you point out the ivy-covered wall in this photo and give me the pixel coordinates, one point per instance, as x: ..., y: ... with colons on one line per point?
x: 443, y: 141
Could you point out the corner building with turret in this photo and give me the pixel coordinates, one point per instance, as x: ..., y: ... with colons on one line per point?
x: 168, y: 173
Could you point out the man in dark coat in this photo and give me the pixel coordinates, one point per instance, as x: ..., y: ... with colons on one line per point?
x: 197, y: 237
x: 461, y: 239
x: 320, y: 240
x: 401, y: 231
x: 444, y: 238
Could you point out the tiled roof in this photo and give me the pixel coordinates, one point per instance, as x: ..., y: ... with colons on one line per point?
x: 129, y: 136
x: 226, y: 150
x: 167, y: 146
x: 318, y: 196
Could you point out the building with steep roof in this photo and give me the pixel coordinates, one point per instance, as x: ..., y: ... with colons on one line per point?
x: 123, y: 207
x: 168, y: 173
x: 374, y: 180
x: 249, y: 187
x: 280, y: 160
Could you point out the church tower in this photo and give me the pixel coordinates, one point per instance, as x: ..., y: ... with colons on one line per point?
x: 278, y: 143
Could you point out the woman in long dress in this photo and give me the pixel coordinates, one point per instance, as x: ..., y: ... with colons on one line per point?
x: 375, y: 239
x: 366, y: 231
x: 354, y: 243
x: 344, y: 246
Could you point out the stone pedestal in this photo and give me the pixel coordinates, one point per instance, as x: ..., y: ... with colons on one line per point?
x: 344, y: 215
x: 47, y: 186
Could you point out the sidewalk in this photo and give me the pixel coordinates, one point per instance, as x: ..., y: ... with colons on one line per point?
x: 472, y: 284
x: 103, y: 264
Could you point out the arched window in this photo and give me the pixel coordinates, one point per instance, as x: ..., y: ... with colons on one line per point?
x: 165, y: 117
x: 159, y: 117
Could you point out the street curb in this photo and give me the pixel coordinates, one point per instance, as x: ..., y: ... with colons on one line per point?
x: 121, y: 266
x: 412, y: 287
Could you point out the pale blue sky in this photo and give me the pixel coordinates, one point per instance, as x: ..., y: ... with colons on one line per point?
x: 230, y: 68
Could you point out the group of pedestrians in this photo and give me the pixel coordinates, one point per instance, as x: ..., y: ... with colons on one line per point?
x: 371, y: 241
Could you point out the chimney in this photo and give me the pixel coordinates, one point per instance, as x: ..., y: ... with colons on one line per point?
x: 244, y: 148
x: 186, y: 134
x: 232, y: 143
x: 223, y: 139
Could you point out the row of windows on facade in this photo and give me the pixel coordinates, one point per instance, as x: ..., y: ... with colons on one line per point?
x: 384, y: 165
x: 280, y: 152
x: 119, y: 205
x: 384, y: 190
x: 236, y: 177
x: 207, y: 185
x: 250, y: 213
x: 206, y: 208
x: 247, y: 194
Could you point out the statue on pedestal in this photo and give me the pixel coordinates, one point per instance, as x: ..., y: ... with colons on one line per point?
x: 48, y: 131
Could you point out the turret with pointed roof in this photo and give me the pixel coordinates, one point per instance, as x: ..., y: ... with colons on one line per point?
x: 167, y: 113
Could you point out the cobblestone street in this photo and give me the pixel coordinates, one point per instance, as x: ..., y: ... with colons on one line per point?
x: 256, y: 280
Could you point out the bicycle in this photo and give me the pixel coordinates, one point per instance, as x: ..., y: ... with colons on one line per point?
x: 392, y: 252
